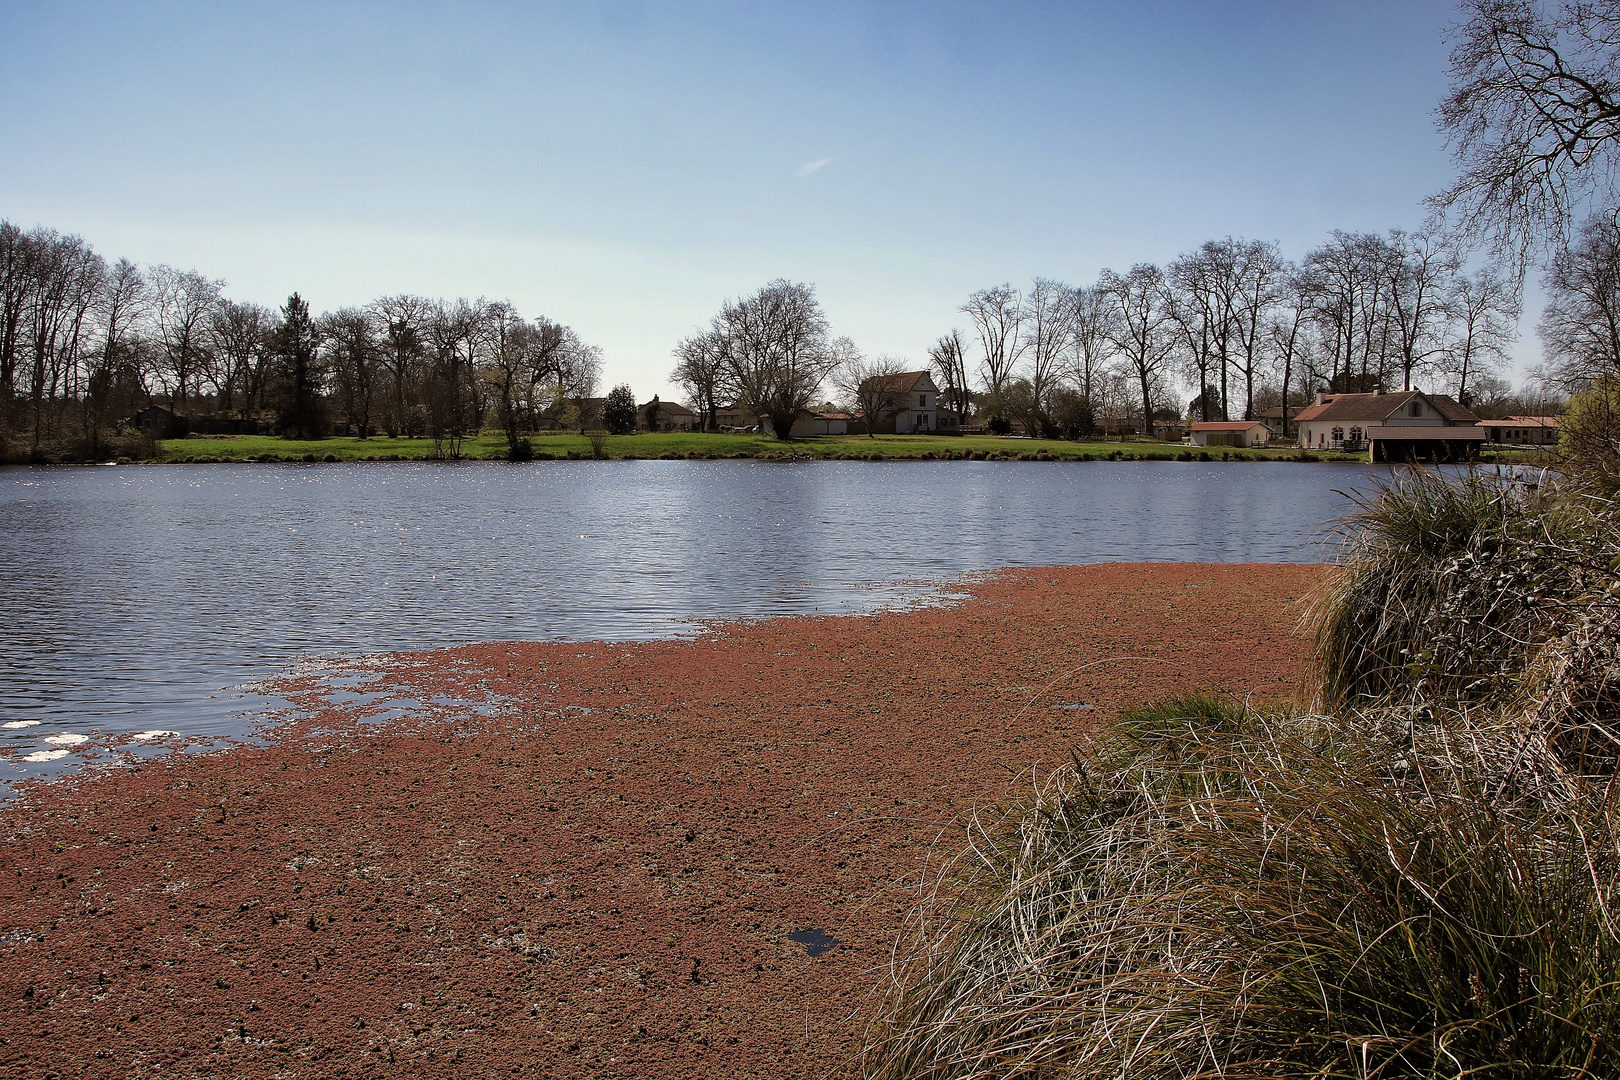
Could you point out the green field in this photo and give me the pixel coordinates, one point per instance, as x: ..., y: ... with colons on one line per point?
x: 683, y: 445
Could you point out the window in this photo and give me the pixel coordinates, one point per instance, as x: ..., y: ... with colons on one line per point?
x: 922, y: 401
x: 1338, y: 434
x: 1417, y: 408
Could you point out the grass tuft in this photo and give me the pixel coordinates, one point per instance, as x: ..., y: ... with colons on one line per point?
x: 1276, y: 896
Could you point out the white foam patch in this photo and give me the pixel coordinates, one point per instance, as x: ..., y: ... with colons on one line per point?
x: 20, y: 724
x: 67, y: 738
x: 45, y: 755
x: 157, y: 733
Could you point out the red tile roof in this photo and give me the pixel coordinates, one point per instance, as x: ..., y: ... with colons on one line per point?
x: 1381, y: 407
x: 1228, y: 425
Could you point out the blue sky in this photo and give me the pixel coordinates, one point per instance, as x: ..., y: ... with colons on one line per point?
x: 623, y: 168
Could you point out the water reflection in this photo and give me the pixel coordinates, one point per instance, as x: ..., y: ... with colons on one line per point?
x: 136, y: 598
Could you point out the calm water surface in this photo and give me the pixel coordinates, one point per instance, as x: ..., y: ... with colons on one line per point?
x: 138, y: 598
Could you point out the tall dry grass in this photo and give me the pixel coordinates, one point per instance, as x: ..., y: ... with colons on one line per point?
x: 1414, y: 878
x: 1271, y: 896
x: 1445, y: 585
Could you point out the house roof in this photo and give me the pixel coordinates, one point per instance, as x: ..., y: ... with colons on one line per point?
x: 1381, y: 407
x: 1522, y: 422
x: 669, y: 407
x: 903, y: 383
x: 1228, y: 425
x: 833, y: 416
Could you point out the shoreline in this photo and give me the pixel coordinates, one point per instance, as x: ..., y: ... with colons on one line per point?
x: 587, y: 858
x: 647, y: 446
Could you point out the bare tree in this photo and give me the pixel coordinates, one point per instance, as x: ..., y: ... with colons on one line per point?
x: 578, y: 373
x: 1288, y: 333
x: 1347, y: 278
x: 546, y: 351
x: 1580, y: 326
x: 701, y: 371
x: 780, y: 350
x: 404, y: 320
x: 1092, y: 340
x: 123, y: 304
x: 998, y: 319
x: 353, y: 362
x: 1202, y: 318
x: 871, y: 388
x: 240, y: 340
x: 1144, y: 332
x: 1422, y: 271
x: 17, y: 255
x: 505, y: 359
x: 184, y: 303
x: 1257, y: 281
x: 1533, y: 121
x: 1049, y: 319
x: 948, y: 359
x: 1484, y: 314
x: 453, y: 404
x: 115, y: 381
x: 57, y: 319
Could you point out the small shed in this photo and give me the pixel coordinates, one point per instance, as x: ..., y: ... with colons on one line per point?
x: 1231, y: 433
x: 829, y: 423
x: 1522, y: 430
x: 156, y: 422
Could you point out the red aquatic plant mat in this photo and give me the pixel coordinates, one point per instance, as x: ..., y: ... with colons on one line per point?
x: 581, y: 860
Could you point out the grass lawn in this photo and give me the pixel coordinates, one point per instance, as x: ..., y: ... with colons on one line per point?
x: 680, y: 444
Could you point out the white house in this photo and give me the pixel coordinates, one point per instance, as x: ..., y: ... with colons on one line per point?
x: 1391, y: 427
x: 916, y: 407
x: 670, y: 417
x: 1231, y: 433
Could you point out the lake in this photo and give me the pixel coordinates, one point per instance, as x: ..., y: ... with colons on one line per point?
x: 151, y: 597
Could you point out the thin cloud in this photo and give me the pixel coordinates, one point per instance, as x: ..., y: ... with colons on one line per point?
x: 811, y: 166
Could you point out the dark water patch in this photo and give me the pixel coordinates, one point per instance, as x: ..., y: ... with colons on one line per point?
x: 815, y: 942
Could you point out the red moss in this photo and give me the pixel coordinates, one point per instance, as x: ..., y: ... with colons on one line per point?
x: 597, y: 876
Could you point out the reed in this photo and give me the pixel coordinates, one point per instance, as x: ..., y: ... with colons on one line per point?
x: 1275, y: 895
x: 1414, y: 877
x: 1445, y: 586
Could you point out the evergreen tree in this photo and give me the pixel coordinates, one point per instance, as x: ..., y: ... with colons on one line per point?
x: 619, y: 410
x: 299, y: 407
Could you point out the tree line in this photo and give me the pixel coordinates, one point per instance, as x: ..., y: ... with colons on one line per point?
x: 1233, y: 328
x: 1233, y: 323
x: 85, y: 343
x: 1236, y: 326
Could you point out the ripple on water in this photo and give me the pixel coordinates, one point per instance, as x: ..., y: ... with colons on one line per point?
x: 150, y: 599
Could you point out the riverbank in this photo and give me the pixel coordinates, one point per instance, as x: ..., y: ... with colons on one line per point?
x: 581, y: 860
x: 685, y: 445
x: 224, y: 449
